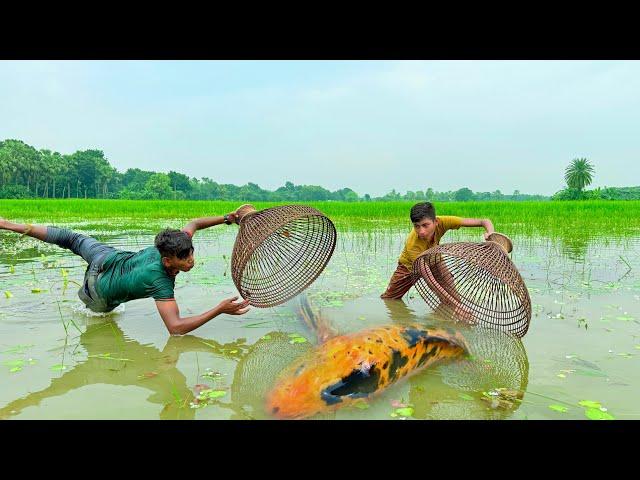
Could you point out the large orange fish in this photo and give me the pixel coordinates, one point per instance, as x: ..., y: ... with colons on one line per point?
x: 359, y: 365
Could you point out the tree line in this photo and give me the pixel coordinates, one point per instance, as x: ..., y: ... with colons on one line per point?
x: 26, y: 172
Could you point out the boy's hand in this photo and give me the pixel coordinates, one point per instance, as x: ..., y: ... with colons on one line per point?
x: 230, y: 308
x: 233, y: 217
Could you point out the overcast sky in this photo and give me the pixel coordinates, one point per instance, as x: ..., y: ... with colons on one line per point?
x: 368, y: 125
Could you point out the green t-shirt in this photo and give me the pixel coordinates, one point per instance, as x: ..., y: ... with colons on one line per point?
x: 132, y: 275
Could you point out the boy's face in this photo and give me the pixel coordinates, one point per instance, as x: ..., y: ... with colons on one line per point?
x: 425, y: 228
x: 175, y: 264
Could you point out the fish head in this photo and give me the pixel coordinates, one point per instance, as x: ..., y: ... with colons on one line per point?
x: 332, y: 377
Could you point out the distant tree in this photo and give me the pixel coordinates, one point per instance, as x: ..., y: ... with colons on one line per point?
x: 179, y: 182
x: 579, y: 173
x: 345, y: 195
x: 568, y: 194
x: 158, y: 187
x: 463, y: 195
x: 429, y: 194
x: 392, y: 195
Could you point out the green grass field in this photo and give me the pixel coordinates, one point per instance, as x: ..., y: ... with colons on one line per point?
x: 582, y: 218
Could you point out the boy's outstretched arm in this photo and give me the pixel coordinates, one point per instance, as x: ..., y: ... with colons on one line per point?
x: 177, y: 325
x: 205, y: 222
x: 479, y: 222
x: 35, y: 231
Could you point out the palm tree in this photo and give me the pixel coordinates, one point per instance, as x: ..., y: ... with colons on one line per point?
x: 579, y: 173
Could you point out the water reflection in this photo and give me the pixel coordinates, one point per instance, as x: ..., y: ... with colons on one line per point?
x: 485, y: 385
x: 113, y: 359
x: 575, y: 247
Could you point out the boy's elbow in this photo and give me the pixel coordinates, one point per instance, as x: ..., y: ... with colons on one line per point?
x: 176, y: 329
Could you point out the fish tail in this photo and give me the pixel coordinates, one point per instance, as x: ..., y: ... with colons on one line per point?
x: 306, y: 314
x: 316, y: 323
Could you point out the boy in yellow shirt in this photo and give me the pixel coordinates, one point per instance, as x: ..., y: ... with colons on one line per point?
x: 427, y: 231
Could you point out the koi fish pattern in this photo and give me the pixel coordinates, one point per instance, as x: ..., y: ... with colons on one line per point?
x: 359, y: 365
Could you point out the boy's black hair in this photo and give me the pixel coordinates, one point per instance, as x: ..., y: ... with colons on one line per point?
x: 421, y: 211
x: 174, y: 243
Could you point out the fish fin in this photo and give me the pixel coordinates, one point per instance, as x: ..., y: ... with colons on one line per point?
x: 316, y: 323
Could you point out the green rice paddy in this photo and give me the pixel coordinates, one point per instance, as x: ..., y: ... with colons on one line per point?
x: 542, y: 218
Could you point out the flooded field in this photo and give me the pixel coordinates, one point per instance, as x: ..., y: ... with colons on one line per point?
x: 580, y: 358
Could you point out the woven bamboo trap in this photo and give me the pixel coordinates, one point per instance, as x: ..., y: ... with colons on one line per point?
x: 279, y: 252
x: 476, y: 283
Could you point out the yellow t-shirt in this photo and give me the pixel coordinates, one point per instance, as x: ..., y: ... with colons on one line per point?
x: 414, y: 246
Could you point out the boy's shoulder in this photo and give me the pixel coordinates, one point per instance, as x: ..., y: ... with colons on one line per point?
x: 449, y: 221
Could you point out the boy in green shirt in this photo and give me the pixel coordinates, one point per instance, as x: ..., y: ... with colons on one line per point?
x: 427, y: 231
x: 116, y: 276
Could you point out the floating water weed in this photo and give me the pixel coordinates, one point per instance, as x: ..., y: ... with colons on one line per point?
x: 296, y: 338
x: 558, y: 408
x: 206, y: 397
x: 595, y: 411
x: 403, y: 412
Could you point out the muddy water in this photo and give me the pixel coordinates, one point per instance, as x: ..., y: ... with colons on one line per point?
x: 59, y: 361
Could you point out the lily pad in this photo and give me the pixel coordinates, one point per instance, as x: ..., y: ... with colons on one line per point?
x: 558, y: 408
x: 589, y: 404
x: 597, y: 414
x: 8, y: 294
x: 404, y: 412
x: 58, y: 367
x: 297, y: 340
x: 14, y: 363
x: 206, y: 394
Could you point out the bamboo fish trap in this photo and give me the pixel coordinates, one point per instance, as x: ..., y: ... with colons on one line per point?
x: 475, y: 282
x: 279, y: 252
